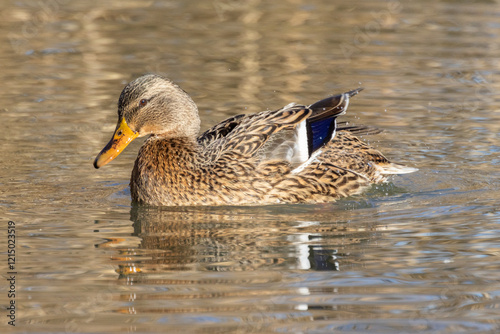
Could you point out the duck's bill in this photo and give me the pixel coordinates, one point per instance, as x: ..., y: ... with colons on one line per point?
x: 121, y: 138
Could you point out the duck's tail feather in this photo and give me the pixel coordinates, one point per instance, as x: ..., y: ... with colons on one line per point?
x: 392, y: 168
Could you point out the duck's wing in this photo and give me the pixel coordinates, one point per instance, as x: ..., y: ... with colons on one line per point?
x: 244, y: 135
x: 220, y: 130
x: 292, y: 133
x: 297, y: 144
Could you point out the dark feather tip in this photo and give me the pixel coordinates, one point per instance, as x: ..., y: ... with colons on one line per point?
x: 354, y: 91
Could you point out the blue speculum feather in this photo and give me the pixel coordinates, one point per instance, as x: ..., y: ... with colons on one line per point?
x: 320, y: 132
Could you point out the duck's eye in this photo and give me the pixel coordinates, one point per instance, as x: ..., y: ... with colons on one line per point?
x: 143, y: 102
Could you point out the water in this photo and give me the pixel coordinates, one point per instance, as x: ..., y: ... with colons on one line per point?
x: 420, y: 254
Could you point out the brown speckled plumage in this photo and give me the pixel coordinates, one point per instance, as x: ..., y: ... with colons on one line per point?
x: 246, y: 159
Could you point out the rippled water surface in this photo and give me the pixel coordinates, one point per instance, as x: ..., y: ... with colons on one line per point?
x: 419, y: 254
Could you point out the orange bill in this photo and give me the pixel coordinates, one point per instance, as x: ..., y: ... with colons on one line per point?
x: 121, y: 138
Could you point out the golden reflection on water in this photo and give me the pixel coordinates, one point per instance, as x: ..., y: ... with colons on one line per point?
x: 234, y: 240
x: 222, y: 261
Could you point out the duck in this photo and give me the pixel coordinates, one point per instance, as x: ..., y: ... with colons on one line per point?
x: 295, y: 154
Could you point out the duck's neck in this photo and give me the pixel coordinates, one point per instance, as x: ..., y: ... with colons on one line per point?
x: 162, y: 165
x: 168, y: 153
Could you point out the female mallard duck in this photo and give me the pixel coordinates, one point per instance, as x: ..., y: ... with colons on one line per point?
x: 297, y: 154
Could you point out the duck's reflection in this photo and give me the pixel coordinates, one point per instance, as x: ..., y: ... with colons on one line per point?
x: 241, y: 239
x: 236, y: 263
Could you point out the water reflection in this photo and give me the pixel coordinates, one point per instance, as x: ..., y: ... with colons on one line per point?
x: 241, y: 239
x: 223, y: 262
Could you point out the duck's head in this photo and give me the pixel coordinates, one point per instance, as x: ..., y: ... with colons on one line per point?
x: 151, y: 105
